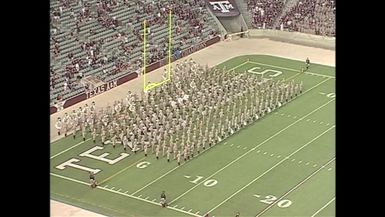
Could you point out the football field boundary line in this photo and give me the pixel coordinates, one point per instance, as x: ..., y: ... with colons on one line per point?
x: 296, y: 187
x: 295, y: 70
x: 69, y: 148
x: 252, y: 149
x: 323, y: 207
x: 275, y: 165
x: 123, y: 194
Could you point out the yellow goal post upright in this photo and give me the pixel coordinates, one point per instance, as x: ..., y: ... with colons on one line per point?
x: 147, y: 87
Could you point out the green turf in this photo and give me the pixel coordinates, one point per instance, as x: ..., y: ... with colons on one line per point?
x: 268, y: 158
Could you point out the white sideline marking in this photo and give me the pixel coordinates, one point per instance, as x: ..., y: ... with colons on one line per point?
x: 295, y: 70
x: 127, y: 195
x: 277, y: 164
x: 323, y: 207
x: 295, y: 187
x: 69, y: 148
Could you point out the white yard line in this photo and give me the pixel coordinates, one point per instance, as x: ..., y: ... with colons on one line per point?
x: 294, y: 70
x: 277, y: 164
x: 127, y: 195
x: 155, y: 180
x: 268, y: 139
x: 69, y: 148
x: 295, y: 187
x: 323, y: 207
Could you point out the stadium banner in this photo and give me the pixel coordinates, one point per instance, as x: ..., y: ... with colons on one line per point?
x: 225, y: 8
x: 109, y: 85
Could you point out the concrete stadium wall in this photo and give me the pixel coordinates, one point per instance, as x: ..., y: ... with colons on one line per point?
x: 233, y: 24
x: 295, y: 38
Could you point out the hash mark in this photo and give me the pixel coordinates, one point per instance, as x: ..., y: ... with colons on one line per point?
x: 231, y: 144
x: 299, y: 161
x: 258, y: 151
x: 126, y: 192
x: 307, y: 163
x: 293, y: 159
x: 197, y: 212
x: 289, y: 116
x: 112, y: 188
x: 314, y: 121
x: 140, y: 196
x: 182, y: 208
x: 295, y: 117
x: 314, y: 165
x: 154, y: 200
x: 189, y: 210
x: 278, y: 156
x: 146, y: 198
x: 271, y: 155
x: 106, y: 186
x: 321, y: 122
x: 175, y: 206
x: 238, y: 146
x: 119, y: 189
x: 244, y: 148
x: 265, y: 152
x: 329, y: 169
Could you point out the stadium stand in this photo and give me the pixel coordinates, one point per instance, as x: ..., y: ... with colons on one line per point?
x: 104, y: 38
x: 264, y: 12
x: 311, y: 16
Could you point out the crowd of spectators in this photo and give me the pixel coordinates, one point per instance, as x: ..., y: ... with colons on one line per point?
x: 82, y: 30
x: 311, y: 16
x: 264, y: 12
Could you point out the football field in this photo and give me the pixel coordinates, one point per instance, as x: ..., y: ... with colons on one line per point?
x: 281, y: 165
